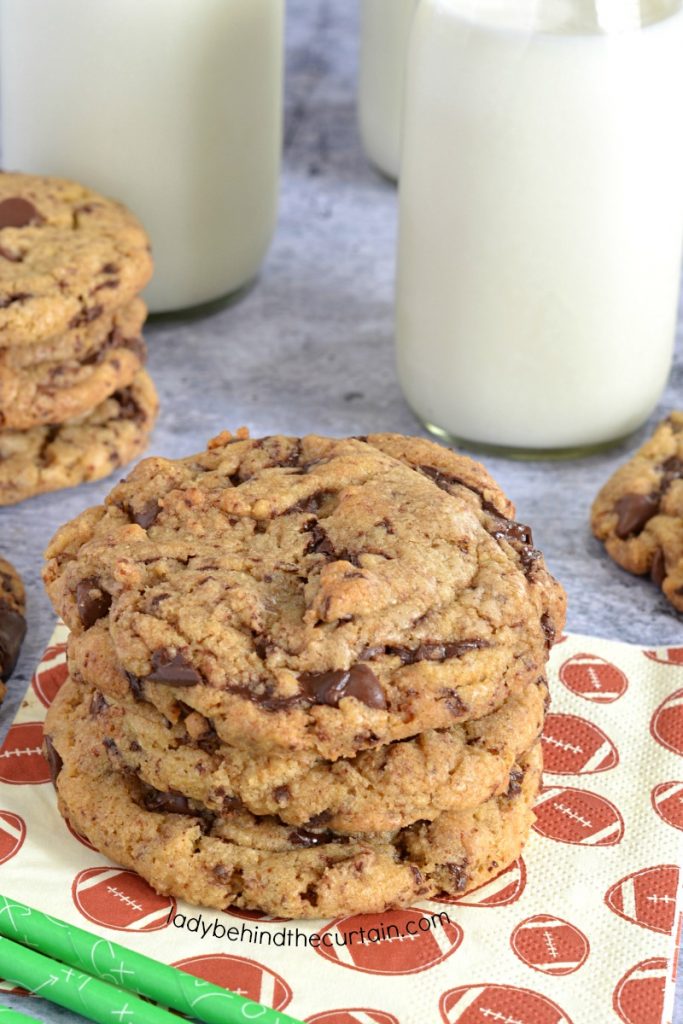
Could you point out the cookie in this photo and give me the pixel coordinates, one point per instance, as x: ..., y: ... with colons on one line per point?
x: 307, y: 595
x: 378, y: 790
x: 51, y: 458
x: 67, y: 257
x: 259, y: 863
x: 12, y: 620
x: 55, y: 390
x: 638, y: 514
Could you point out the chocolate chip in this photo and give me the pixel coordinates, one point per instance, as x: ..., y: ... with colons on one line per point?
x: 458, y: 875
x: 319, y: 819
x: 86, y: 316
x: 109, y: 268
x: 92, y: 601
x: 52, y: 757
x: 515, y: 785
x: 281, y: 794
x: 12, y: 632
x: 658, y: 568
x: 329, y: 688
x: 173, y: 670
x: 302, y: 837
x: 453, y: 702
x: 134, y: 746
x: 634, y: 511
x: 548, y: 629
x: 310, y: 895
x: 10, y: 300
x: 147, y: 514
x: 166, y: 803
x: 129, y: 409
x: 136, y: 686
x: 12, y: 257
x: 17, y: 212
x: 417, y: 874
x: 98, y: 704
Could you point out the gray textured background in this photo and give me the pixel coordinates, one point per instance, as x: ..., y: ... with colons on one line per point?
x: 309, y: 348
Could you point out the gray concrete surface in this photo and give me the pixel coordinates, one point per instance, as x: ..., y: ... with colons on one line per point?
x: 309, y: 348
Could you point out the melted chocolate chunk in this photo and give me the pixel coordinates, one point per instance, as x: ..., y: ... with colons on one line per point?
x: 92, y: 601
x: 302, y: 837
x: 445, y: 481
x: 658, y: 568
x: 12, y: 632
x: 52, y: 757
x: 312, y: 503
x: 17, y: 212
x: 166, y: 803
x: 329, y: 688
x: 508, y: 529
x: 173, y: 670
x: 634, y: 511
x: 458, y: 874
x: 432, y: 650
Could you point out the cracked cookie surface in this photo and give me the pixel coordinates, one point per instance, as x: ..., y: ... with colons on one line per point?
x: 260, y: 863
x: 12, y: 620
x: 307, y: 594
x: 378, y: 790
x: 49, y: 458
x: 67, y: 256
x: 54, y: 386
x: 638, y: 514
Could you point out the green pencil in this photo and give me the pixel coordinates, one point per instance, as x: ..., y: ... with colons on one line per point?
x: 8, y: 1016
x: 128, y: 970
x: 75, y: 990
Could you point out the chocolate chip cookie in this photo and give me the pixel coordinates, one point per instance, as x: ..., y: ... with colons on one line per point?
x: 310, y: 594
x: 67, y: 257
x: 52, y: 388
x: 260, y: 863
x: 638, y: 514
x: 12, y: 620
x: 378, y: 790
x: 49, y: 458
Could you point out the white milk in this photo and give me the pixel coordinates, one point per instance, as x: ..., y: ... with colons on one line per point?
x: 173, y: 106
x: 385, y: 30
x: 541, y: 219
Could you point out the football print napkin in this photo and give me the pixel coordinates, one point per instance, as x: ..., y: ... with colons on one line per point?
x: 582, y: 929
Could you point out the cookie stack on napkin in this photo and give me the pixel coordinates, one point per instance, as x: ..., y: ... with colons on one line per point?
x: 75, y: 401
x: 306, y: 676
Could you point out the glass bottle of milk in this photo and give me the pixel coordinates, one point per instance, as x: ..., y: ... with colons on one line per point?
x: 173, y: 106
x: 385, y: 30
x: 541, y: 219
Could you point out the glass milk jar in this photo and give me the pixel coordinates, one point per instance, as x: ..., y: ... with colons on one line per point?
x: 173, y: 106
x: 541, y: 218
x: 385, y: 30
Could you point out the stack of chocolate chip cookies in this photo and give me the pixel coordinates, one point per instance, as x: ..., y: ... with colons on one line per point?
x: 75, y: 401
x: 306, y: 675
